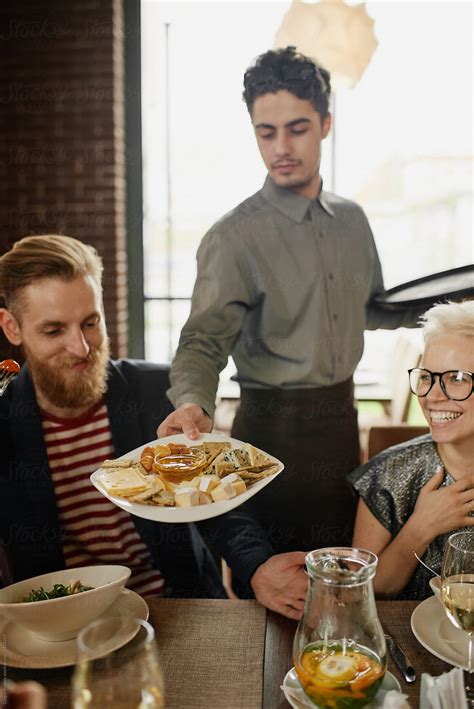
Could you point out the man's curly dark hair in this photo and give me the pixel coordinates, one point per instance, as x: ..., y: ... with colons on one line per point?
x: 288, y: 70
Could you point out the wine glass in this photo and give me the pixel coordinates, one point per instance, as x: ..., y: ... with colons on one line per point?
x: 457, y: 592
x: 126, y: 677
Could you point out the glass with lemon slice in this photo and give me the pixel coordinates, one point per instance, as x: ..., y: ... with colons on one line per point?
x: 339, y: 648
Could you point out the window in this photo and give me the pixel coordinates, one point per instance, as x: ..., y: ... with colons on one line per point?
x: 404, y: 142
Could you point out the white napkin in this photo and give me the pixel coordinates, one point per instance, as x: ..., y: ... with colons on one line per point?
x: 443, y: 692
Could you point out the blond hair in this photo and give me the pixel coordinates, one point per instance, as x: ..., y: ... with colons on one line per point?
x: 48, y: 256
x: 449, y: 319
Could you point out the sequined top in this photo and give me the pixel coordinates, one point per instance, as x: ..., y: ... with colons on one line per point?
x: 390, y: 484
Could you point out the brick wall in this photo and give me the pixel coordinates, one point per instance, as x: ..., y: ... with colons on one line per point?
x: 62, y: 148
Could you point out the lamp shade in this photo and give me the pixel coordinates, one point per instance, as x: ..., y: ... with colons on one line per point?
x: 340, y: 37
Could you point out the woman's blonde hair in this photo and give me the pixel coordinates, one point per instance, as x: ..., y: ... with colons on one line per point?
x: 449, y: 319
x: 48, y: 256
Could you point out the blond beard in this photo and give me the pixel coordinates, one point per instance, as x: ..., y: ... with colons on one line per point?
x: 78, y: 389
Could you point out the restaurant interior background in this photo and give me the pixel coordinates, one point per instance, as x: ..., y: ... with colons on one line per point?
x: 123, y: 125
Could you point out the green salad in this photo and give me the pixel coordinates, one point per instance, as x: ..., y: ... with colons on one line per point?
x: 58, y: 591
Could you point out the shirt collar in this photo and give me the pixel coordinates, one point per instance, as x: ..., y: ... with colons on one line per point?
x: 293, y: 205
x: 324, y: 202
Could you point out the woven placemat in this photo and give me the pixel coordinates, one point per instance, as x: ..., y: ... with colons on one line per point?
x: 212, y: 653
x: 395, y: 617
x: 396, y: 621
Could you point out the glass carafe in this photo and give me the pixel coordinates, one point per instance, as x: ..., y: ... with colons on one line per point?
x: 339, y: 649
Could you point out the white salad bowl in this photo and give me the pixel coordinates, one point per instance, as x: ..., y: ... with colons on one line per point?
x: 62, y: 618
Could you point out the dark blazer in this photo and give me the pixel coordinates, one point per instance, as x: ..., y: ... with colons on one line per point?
x: 29, y: 524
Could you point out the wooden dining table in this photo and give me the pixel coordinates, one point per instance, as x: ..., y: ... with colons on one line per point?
x: 234, y: 654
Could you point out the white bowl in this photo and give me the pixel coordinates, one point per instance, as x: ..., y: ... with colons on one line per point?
x: 62, y: 618
x: 435, y: 585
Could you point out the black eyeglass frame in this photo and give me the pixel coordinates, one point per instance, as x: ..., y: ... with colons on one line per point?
x: 440, y: 376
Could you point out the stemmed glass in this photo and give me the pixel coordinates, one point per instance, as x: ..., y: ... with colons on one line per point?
x: 128, y: 677
x: 457, y: 592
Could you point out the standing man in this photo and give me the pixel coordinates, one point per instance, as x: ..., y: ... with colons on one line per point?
x: 69, y: 409
x: 286, y: 284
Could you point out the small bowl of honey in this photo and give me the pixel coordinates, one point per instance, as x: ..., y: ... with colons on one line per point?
x: 180, y: 465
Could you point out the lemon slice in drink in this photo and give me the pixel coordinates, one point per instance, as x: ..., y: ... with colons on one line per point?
x: 338, y: 668
x: 310, y: 661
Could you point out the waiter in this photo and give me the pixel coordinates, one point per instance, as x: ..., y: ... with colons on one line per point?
x: 286, y: 284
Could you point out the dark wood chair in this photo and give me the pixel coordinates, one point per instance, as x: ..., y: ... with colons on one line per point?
x: 382, y: 437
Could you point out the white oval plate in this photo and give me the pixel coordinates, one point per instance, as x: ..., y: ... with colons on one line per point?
x: 296, y: 697
x: 433, y: 629
x: 21, y: 648
x: 186, y: 514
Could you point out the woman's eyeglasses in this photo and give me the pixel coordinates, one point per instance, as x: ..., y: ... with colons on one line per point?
x: 455, y: 383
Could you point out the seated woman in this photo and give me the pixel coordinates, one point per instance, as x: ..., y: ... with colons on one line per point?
x: 414, y: 495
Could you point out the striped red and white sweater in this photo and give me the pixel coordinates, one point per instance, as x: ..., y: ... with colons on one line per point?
x: 95, y: 530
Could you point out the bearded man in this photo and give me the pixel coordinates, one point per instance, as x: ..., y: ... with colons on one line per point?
x: 71, y: 407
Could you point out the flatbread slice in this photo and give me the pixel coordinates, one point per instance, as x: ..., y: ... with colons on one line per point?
x: 125, y: 463
x: 213, y: 449
x: 154, y: 487
x: 164, y: 499
x: 256, y: 468
x: 219, y: 466
x: 251, y: 477
x: 256, y: 456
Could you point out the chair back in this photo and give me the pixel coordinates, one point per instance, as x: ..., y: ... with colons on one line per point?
x: 382, y: 437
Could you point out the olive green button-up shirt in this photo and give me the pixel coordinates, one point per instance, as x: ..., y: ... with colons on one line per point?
x: 285, y: 285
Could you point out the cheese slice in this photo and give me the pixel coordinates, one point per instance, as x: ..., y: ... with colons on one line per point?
x: 189, y: 483
x: 204, y: 498
x: 122, y: 481
x: 229, y: 479
x: 223, y: 492
x: 239, y: 487
x: 186, y: 497
x: 154, y: 487
x: 238, y: 457
x: 207, y: 483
